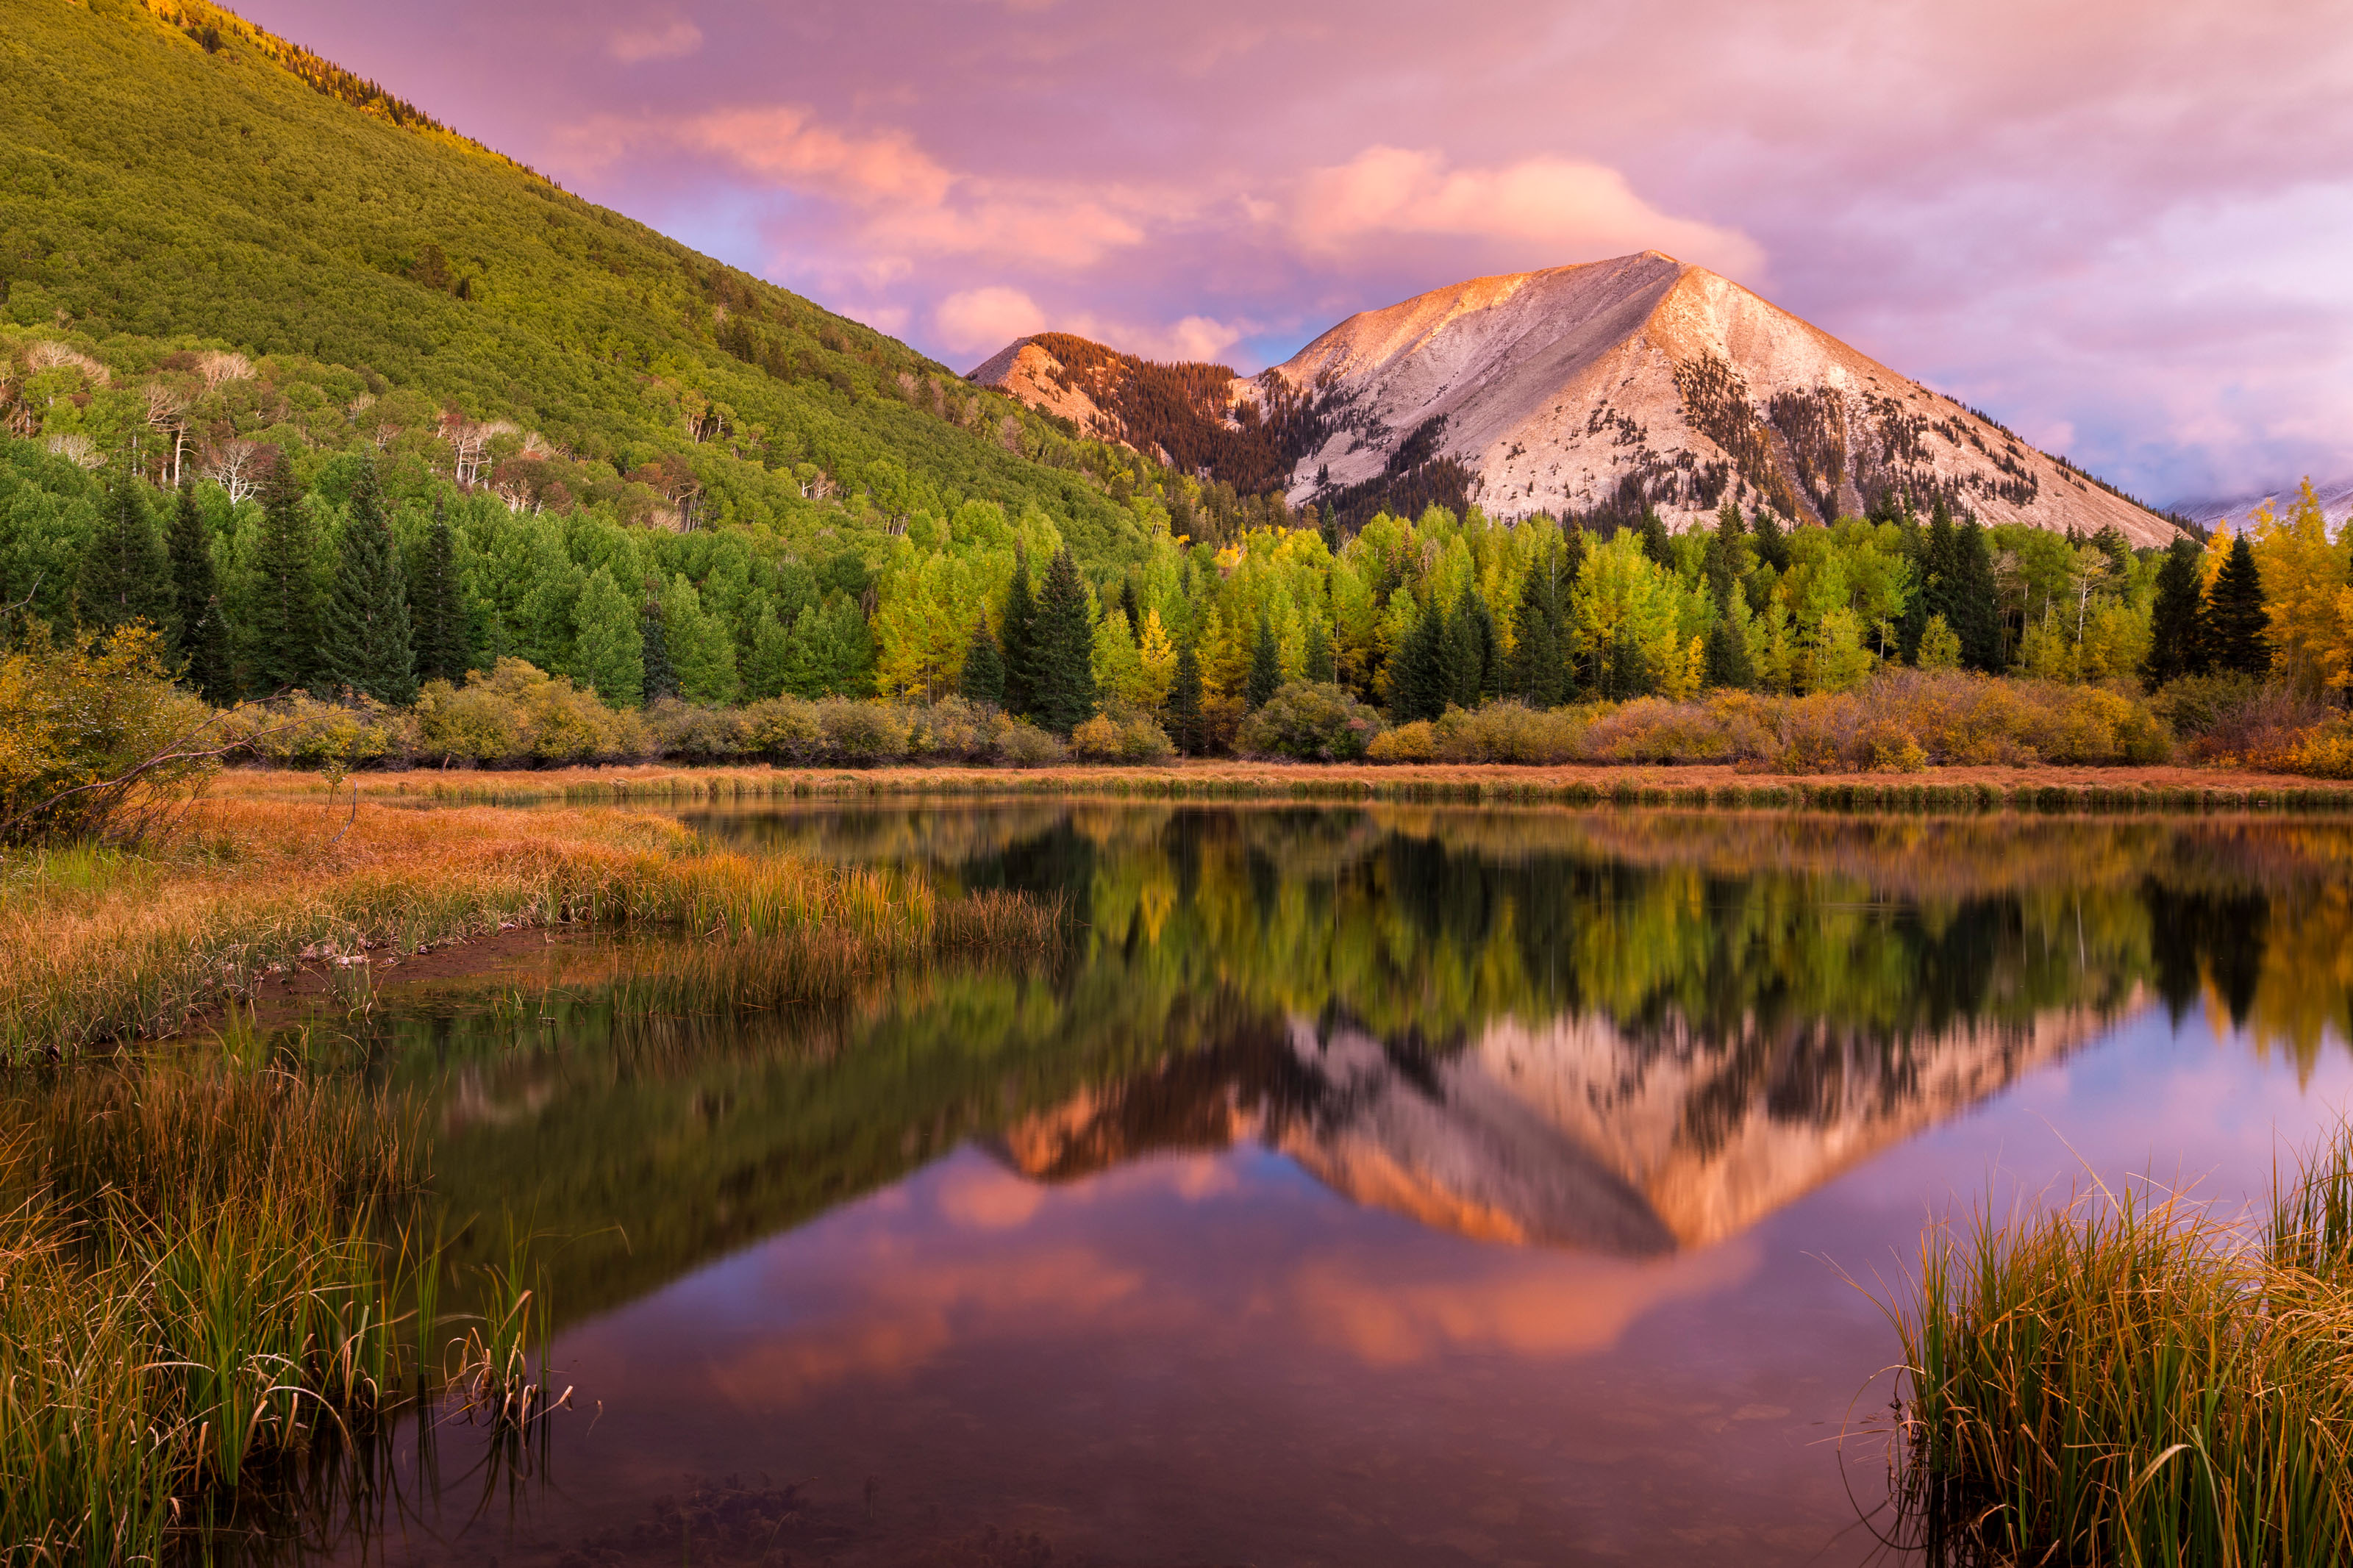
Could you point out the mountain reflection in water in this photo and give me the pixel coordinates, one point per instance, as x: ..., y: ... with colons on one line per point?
x: 1434, y: 1154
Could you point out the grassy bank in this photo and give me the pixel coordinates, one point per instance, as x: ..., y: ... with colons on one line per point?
x: 101, y: 944
x: 2139, y: 1381
x: 194, y: 1290
x: 2037, y: 789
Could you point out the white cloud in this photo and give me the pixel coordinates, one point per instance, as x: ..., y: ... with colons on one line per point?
x: 655, y: 41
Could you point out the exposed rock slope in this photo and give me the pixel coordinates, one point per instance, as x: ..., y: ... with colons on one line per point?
x: 1618, y: 382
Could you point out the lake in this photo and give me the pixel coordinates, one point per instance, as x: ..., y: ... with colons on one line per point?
x: 1363, y: 1185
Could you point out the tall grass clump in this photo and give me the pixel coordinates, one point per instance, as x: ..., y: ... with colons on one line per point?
x: 2135, y: 1380
x: 195, y: 1292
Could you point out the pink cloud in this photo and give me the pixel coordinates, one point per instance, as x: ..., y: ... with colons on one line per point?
x: 655, y: 41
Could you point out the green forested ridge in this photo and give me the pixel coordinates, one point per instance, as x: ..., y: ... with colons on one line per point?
x: 173, y: 193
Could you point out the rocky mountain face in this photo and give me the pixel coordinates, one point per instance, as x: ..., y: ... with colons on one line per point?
x: 1594, y: 389
x: 1575, y: 1132
x: 2336, y: 503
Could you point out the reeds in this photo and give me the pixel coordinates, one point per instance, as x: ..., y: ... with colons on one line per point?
x: 2134, y: 1381
x: 191, y: 1289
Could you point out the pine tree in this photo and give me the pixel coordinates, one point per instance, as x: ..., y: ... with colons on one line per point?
x: 1129, y: 608
x: 2176, y: 626
x: 1728, y: 663
x: 437, y: 616
x: 367, y: 646
x: 1417, y: 680
x: 1325, y: 520
x: 199, y: 628
x: 1467, y: 670
x: 1627, y: 674
x: 1537, y: 674
x: 2238, y: 632
x: 608, y: 647
x: 984, y: 669
x: 125, y: 575
x: 1972, y: 609
x: 660, y: 676
x: 1062, y: 654
x: 288, y: 610
x: 1772, y: 543
x: 1185, y: 726
x: 1317, y: 666
x: 1656, y: 543
x: 1265, y: 668
x: 1019, y: 624
x: 765, y: 667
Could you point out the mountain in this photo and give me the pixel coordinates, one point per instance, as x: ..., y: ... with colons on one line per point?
x: 2336, y: 501
x: 1573, y: 1132
x: 177, y: 184
x: 1588, y: 389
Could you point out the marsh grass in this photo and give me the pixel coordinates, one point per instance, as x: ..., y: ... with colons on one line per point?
x: 193, y: 1296
x: 97, y: 947
x: 2136, y: 1380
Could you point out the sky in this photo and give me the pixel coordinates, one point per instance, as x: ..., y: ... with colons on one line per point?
x: 2124, y: 229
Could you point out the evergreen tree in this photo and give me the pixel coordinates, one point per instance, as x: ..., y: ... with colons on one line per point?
x: 199, y: 628
x: 1467, y: 666
x: 1538, y: 672
x: 1018, y: 635
x: 367, y: 646
x: 437, y: 616
x: 1418, y: 677
x: 2177, y: 644
x: 1728, y: 663
x: 125, y: 575
x: 1325, y: 520
x: 660, y: 676
x: 1628, y: 673
x: 1317, y: 666
x: 1720, y: 565
x: 2238, y: 632
x: 287, y: 617
x: 1655, y: 540
x: 608, y: 645
x: 1129, y: 608
x: 1976, y: 597
x: 1185, y: 726
x: 769, y: 661
x: 1265, y: 668
x: 1772, y: 543
x: 984, y: 669
x: 1062, y: 654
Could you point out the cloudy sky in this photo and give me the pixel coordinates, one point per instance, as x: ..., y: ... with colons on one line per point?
x: 2126, y: 230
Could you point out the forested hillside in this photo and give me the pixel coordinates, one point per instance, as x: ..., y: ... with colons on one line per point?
x: 178, y: 189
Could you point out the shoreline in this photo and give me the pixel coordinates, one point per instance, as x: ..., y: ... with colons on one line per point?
x: 2165, y: 788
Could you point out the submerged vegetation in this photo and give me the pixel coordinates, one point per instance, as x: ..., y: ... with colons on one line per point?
x: 2138, y: 1381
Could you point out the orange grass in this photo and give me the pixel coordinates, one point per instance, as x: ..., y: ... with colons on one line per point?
x: 97, y: 946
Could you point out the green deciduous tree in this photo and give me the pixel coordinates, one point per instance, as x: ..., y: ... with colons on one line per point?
x: 608, y: 642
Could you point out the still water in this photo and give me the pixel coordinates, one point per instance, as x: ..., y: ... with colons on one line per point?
x: 1360, y: 1186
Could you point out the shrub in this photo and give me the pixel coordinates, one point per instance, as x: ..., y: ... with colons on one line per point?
x: 1414, y: 743
x: 300, y: 731
x: 2324, y: 752
x: 2239, y: 719
x: 953, y: 728
x: 1727, y: 727
x: 92, y: 732
x: 1122, y: 736
x: 1510, y: 732
x: 1024, y: 746
x: 519, y: 714
x: 781, y: 729
x: 693, y: 733
x: 862, y: 734
x: 1311, y: 722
